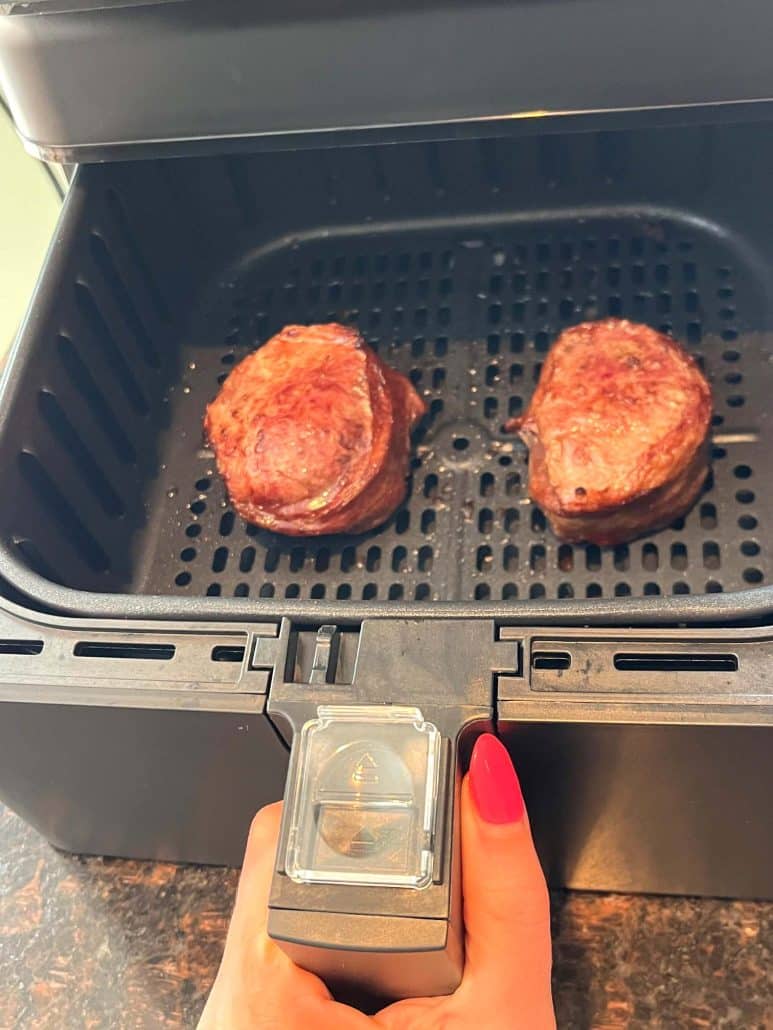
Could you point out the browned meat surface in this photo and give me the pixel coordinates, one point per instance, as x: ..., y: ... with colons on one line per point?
x: 617, y: 430
x: 311, y: 433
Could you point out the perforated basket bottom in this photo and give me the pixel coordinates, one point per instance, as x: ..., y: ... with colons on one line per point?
x: 469, y: 318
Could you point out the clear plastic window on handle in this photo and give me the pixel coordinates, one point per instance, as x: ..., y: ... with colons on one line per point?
x: 364, y: 799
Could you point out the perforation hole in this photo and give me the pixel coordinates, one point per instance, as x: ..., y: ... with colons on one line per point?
x: 745, y: 496
x: 750, y: 548
x: 317, y: 591
x: 592, y: 557
x: 537, y: 591
x: 348, y: 557
x: 220, y: 559
x: 537, y: 558
x: 182, y: 579
x: 485, y: 559
x: 510, y: 558
x: 492, y: 375
x: 649, y: 557
x: 566, y: 557
x: 193, y: 530
x: 403, y: 521
x: 593, y: 590
x: 711, y: 555
x: 431, y: 486
x: 247, y: 559
x: 373, y: 559
x: 565, y: 591
x: 422, y: 592
x: 651, y: 589
x: 343, y: 592
x: 678, y: 557
x: 424, y: 558
x: 513, y: 483
x: 538, y: 521
x: 747, y: 522
x: 487, y: 483
x: 511, y: 519
x: 214, y: 590
x: 752, y: 576
x: 680, y: 588
x: 370, y: 592
x: 509, y: 592
x: 622, y: 558
x: 622, y: 590
x: 188, y: 554
x: 742, y: 471
x: 428, y: 520
x: 713, y: 587
x: 399, y: 559
x: 694, y: 332
x: 271, y: 560
x: 482, y: 592
x: 485, y: 520
x: 708, y: 515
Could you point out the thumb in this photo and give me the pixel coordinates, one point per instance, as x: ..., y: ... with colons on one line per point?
x: 506, y: 907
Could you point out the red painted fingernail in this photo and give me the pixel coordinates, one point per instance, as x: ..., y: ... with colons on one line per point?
x: 493, y: 782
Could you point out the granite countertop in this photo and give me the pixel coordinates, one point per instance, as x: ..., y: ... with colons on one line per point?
x: 91, y: 943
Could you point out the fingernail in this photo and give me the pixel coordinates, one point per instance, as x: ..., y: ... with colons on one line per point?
x: 493, y: 782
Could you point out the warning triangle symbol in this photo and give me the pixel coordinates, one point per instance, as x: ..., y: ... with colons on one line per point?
x: 364, y: 836
x: 366, y: 770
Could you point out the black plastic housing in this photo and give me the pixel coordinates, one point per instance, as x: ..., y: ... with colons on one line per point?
x: 100, y: 79
x: 644, y: 755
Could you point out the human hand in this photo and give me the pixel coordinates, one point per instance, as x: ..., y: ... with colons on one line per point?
x: 506, y: 981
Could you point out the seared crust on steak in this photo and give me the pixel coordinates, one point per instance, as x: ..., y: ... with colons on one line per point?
x: 618, y: 432
x: 311, y: 433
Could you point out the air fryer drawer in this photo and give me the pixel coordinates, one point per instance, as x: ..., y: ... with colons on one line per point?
x: 460, y: 262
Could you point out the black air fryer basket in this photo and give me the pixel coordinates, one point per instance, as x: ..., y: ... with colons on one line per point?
x: 460, y: 262
x: 154, y: 648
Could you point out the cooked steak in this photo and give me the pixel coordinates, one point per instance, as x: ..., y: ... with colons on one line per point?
x: 618, y: 432
x: 311, y: 433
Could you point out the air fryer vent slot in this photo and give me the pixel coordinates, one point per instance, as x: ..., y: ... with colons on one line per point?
x: 26, y: 647
x: 552, y: 660
x: 680, y: 662
x: 227, y: 653
x: 107, y: 649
